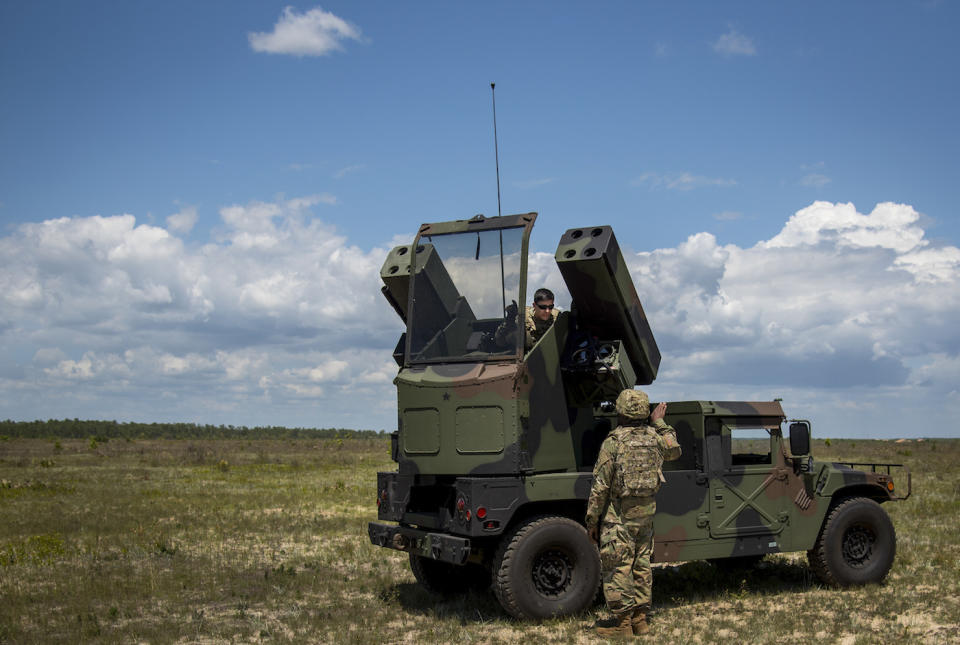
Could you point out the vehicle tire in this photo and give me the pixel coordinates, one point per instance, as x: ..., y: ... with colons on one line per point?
x: 736, y: 564
x: 547, y: 566
x: 444, y: 578
x: 856, y: 545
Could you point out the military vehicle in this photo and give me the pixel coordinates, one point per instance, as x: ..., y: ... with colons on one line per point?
x: 496, y: 445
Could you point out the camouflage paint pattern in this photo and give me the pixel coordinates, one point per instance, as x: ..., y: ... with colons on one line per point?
x: 626, y: 479
x: 628, y: 472
x: 625, y: 551
x: 633, y: 404
x: 520, y: 435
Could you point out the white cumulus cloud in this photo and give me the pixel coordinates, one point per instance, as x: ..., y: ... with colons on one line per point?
x: 184, y: 221
x: 129, y: 309
x: 893, y: 226
x: 313, y: 33
x: 278, y: 319
x: 837, y: 301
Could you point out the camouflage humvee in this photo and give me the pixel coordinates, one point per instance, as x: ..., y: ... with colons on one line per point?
x: 495, y: 446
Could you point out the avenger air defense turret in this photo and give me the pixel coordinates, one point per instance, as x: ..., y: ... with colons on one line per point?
x: 495, y: 443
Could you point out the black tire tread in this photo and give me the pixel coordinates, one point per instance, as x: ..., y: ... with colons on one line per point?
x: 506, y: 552
x: 817, y: 556
x: 502, y: 588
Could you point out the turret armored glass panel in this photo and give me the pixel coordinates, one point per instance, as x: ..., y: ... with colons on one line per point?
x: 464, y: 294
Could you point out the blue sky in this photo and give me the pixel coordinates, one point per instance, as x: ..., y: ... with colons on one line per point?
x: 195, y: 198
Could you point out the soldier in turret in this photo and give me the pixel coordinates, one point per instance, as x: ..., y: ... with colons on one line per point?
x: 537, y: 319
x: 626, y: 479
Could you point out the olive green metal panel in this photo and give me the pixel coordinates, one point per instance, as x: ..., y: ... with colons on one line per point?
x: 770, y: 413
x: 550, y: 487
x: 546, y: 440
x: 479, y: 429
x: 422, y: 430
x: 746, y: 501
x: 711, y: 507
x: 471, y: 400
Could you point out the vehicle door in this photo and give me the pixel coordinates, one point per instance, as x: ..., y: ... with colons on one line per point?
x: 747, y: 493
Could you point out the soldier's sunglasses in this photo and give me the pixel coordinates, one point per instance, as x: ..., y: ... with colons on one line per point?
x: 545, y: 307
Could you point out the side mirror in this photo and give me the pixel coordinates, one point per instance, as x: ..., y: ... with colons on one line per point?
x: 799, y: 438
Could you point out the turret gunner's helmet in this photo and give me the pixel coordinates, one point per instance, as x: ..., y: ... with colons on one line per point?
x: 633, y: 404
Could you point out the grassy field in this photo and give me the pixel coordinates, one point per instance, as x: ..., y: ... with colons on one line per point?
x: 160, y: 541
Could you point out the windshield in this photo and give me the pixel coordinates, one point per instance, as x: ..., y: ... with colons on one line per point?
x: 466, y: 287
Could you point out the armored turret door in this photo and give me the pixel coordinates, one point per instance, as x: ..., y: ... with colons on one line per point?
x: 747, y: 492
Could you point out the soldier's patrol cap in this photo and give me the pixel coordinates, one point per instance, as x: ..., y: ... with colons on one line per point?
x: 633, y: 404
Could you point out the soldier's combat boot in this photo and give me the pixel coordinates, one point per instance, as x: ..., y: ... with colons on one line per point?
x: 639, y: 622
x: 620, y: 627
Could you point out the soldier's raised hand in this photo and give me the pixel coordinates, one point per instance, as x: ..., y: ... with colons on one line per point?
x: 658, y: 412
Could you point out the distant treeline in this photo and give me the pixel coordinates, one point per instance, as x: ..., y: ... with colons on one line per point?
x: 102, y: 430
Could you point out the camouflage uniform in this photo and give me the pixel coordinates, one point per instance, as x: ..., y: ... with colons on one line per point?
x: 626, y: 478
x: 536, y: 327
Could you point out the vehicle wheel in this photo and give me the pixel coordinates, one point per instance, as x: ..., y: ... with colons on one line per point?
x: 445, y: 578
x: 736, y: 564
x: 856, y: 544
x: 547, y: 566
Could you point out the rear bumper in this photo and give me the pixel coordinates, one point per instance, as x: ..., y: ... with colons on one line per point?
x: 437, y: 546
x: 449, y: 505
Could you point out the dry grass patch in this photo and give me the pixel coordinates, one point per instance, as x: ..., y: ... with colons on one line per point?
x: 265, y: 542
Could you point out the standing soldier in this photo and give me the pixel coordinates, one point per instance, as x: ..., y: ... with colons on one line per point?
x: 626, y: 479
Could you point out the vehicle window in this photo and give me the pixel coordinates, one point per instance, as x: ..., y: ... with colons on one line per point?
x: 749, y: 446
x: 462, y: 284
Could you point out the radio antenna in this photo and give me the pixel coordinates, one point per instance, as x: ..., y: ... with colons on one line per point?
x: 496, y: 156
x: 496, y: 151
